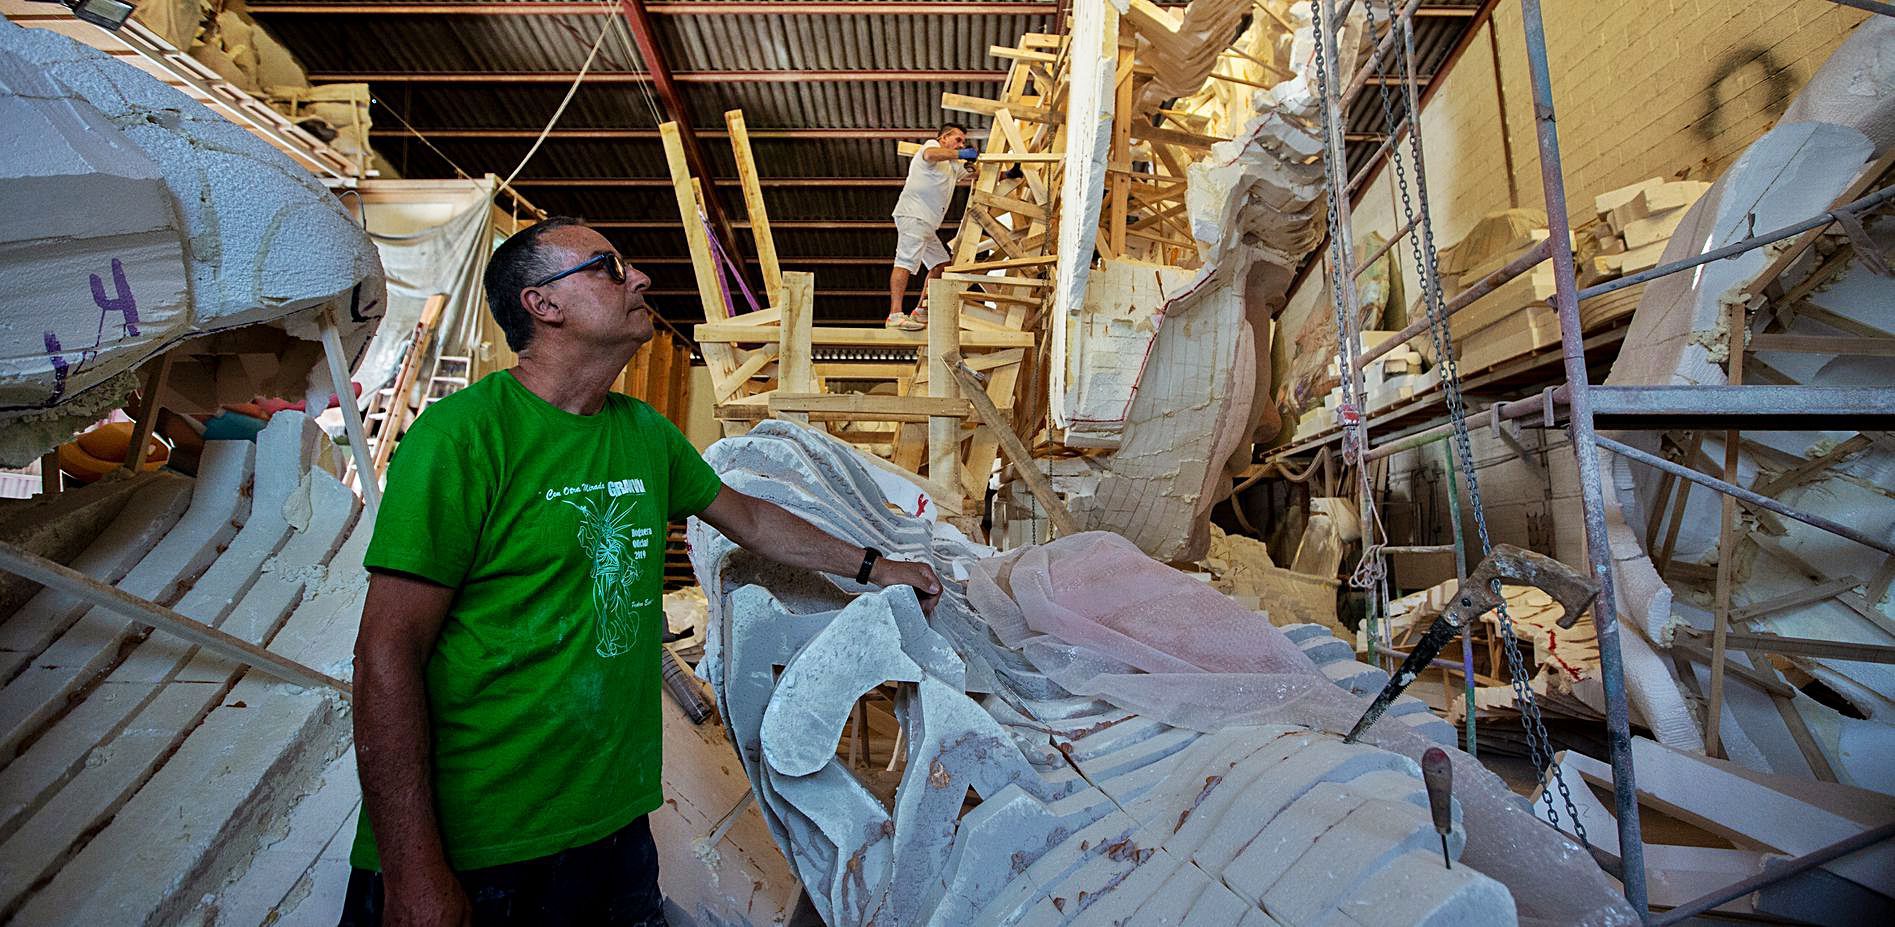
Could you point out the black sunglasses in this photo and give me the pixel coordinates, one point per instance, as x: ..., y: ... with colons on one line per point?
x: 614, y: 267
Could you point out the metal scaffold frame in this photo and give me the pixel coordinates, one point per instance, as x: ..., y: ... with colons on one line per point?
x: 1727, y: 408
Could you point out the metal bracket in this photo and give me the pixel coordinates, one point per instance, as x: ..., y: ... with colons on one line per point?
x: 1509, y: 434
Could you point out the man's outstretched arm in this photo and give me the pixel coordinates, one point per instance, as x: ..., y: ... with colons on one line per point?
x: 401, y: 618
x: 768, y: 529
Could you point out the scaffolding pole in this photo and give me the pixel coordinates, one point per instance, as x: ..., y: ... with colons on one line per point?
x: 1592, y: 497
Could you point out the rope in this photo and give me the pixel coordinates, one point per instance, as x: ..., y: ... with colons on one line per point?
x: 561, y: 111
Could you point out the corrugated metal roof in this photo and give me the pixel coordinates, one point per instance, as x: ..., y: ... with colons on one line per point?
x: 871, y: 43
x: 809, y: 104
x: 751, y: 41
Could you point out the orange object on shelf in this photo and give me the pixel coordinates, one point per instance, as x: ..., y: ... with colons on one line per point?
x: 105, y: 449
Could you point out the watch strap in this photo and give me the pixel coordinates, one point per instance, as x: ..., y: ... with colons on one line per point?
x: 869, y: 556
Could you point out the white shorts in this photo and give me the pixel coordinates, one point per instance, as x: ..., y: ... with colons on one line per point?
x: 918, y: 242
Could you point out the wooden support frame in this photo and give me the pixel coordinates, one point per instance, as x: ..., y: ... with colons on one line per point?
x: 1010, y: 444
x: 395, y: 417
x: 944, y: 432
x: 148, y: 408
x: 20, y: 562
x: 753, y: 204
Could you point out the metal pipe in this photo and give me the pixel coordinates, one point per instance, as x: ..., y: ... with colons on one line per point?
x: 1460, y: 573
x: 1592, y: 497
x: 1465, y: 298
x: 591, y: 8
x: 1518, y: 408
x: 1376, y: 255
x: 1742, y: 495
x: 1871, y: 5
x: 1362, y: 74
x: 1717, y: 254
x: 1375, y: 158
x: 1774, y: 874
x: 650, y: 77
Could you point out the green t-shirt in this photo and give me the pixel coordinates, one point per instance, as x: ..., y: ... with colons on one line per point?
x: 543, y: 686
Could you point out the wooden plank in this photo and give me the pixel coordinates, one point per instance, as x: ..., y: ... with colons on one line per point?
x: 1118, y: 186
x: 944, y: 432
x: 1021, y: 54
x: 720, y: 358
x: 1808, y: 648
x: 758, y: 359
x: 704, y: 268
x: 1010, y: 131
x: 1798, y: 473
x: 1769, y: 684
x: 1001, y: 236
x: 990, y: 280
x: 1736, y: 317
x: 871, y: 407
x: 796, y: 373
x: 712, y: 333
x: 1010, y: 445
x: 962, y: 103
x: 753, y: 204
x: 638, y: 373
x: 658, y: 376
x: 983, y: 267
x: 1797, y: 599
x: 1192, y: 140
x: 1009, y: 204
x: 1844, y: 345
x: 680, y: 386
x: 21, y: 562
x: 396, y: 415
x: 769, y: 316
x: 148, y: 408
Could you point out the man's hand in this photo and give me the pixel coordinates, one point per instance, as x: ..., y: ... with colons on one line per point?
x: 969, y: 153
x: 768, y: 529
x: 908, y: 573
x: 433, y: 900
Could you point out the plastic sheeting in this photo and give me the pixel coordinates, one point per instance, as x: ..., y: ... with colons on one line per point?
x: 449, y: 258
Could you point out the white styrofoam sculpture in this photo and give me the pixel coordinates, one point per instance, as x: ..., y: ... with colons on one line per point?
x: 139, y: 218
x: 1679, y: 336
x: 1090, y: 737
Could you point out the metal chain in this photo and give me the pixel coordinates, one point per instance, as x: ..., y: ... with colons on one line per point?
x: 1348, y: 412
x: 1427, y: 263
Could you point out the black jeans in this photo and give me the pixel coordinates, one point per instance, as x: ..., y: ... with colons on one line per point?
x: 612, y: 882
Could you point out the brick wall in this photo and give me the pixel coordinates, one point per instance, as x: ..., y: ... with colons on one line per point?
x: 1643, y: 88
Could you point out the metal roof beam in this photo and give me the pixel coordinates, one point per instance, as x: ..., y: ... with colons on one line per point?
x: 906, y: 135
x: 645, y: 37
x: 879, y: 260
x: 665, y: 182
x: 809, y: 225
x: 777, y: 8
x: 563, y: 78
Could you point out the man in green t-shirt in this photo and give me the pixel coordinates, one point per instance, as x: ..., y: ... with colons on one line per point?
x: 507, y: 667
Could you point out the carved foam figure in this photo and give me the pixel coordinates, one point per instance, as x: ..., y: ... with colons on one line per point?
x: 1834, y: 132
x: 138, y: 218
x: 1169, y: 365
x: 1090, y: 738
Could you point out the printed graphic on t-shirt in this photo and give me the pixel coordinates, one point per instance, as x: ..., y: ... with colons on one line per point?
x: 615, y: 552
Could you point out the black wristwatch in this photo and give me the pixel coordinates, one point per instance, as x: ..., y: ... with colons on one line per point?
x: 869, y: 556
